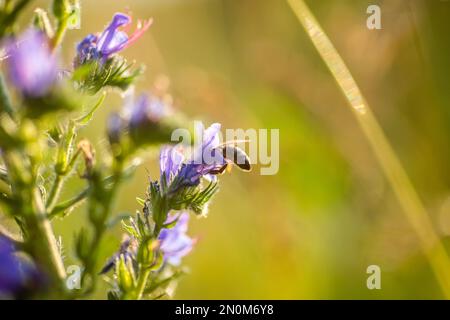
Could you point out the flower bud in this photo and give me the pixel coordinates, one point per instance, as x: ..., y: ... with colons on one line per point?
x: 125, y: 274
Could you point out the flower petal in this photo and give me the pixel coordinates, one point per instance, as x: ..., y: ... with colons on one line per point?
x: 170, y: 161
x: 112, y: 40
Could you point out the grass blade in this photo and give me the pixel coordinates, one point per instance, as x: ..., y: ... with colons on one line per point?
x: 393, y: 170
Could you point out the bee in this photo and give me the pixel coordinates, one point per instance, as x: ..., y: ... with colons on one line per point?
x: 233, y: 155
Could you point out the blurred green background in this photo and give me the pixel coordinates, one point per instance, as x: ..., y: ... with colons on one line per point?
x: 311, y: 230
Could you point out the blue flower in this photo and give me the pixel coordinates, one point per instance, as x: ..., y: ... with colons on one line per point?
x: 175, y: 243
x: 87, y: 50
x: 206, y: 161
x: 32, y: 66
x: 147, y: 109
x: 10, y: 277
x: 170, y: 162
x: 112, y: 40
x: 114, y: 127
x: 16, y: 274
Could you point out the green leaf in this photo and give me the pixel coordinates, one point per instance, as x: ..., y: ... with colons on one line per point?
x: 84, y: 120
x: 130, y: 230
x: 140, y: 201
x: 193, y: 198
x: 141, y: 225
x: 162, y: 284
x: 94, y: 75
x: 115, y: 220
x: 125, y: 274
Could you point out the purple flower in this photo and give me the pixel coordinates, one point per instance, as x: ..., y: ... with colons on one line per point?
x: 87, y: 50
x: 175, y: 243
x: 114, y: 127
x: 170, y: 161
x: 147, y: 109
x: 111, y: 40
x: 210, y: 141
x: 16, y: 274
x: 206, y: 161
x: 10, y: 277
x: 32, y: 66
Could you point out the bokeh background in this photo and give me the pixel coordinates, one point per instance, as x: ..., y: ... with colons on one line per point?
x: 311, y: 230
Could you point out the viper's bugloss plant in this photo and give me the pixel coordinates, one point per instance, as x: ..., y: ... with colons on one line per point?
x: 97, y: 63
x: 44, y: 104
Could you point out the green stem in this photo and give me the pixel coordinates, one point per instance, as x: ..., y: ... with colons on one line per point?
x: 160, y: 217
x: 73, y: 202
x: 55, y: 191
x: 395, y: 174
x: 142, y: 282
x: 39, y: 239
x: 100, y: 226
x: 58, y: 184
x: 69, y: 204
x: 60, y: 32
x: 42, y: 242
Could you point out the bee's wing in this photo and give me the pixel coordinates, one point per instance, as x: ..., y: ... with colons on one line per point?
x: 237, y: 156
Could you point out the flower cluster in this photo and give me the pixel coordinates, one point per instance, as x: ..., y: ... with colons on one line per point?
x: 159, y: 232
x: 97, y: 63
x: 111, y: 41
x: 206, y: 162
x: 43, y: 106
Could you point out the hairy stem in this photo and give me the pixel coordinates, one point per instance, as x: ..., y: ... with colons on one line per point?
x: 60, y: 32
x: 55, y: 191
x: 69, y: 204
x: 62, y: 174
x: 142, y: 282
x: 82, y: 196
x: 27, y: 204
x: 103, y: 207
x: 393, y: 170
x: 46, y: 249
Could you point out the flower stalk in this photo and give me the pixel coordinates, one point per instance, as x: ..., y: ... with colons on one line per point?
x: 38, y: 143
